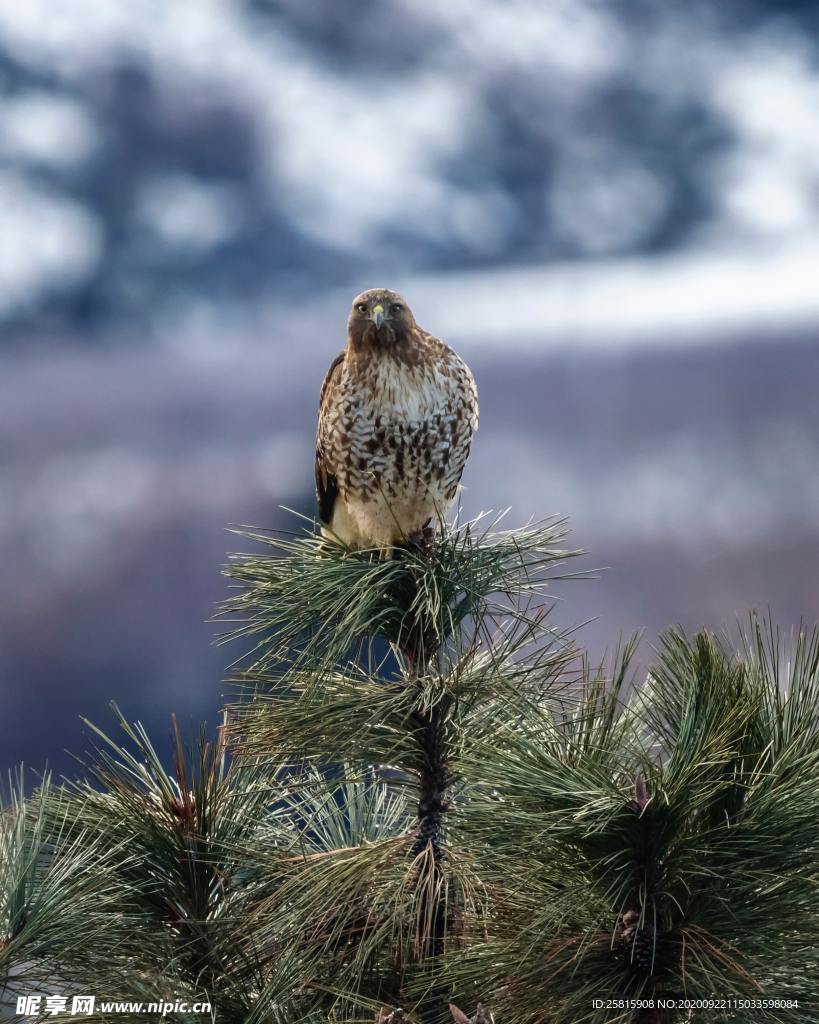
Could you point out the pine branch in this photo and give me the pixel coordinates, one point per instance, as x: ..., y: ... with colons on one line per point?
x: 186, y: 881
x: 59, y: 895
x: 317, y: 604
x: 674, y: 855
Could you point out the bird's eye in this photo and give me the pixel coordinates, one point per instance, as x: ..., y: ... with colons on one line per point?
x: 361, y: 307
x: 397, y: 307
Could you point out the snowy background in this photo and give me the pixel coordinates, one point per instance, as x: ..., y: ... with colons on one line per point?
x: 610, y: 208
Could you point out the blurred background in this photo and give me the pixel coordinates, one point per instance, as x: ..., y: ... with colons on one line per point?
x: 611, y: 209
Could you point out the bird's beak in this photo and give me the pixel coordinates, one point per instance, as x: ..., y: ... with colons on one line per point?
x: 378, y: 316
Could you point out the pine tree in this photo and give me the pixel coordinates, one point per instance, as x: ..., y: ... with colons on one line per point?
x: 424, y: 805
x: 375, y: 671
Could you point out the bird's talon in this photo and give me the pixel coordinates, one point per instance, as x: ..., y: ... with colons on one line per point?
x: 420, y: 541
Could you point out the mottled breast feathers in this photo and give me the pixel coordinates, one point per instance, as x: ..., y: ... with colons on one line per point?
x: 397, y: 412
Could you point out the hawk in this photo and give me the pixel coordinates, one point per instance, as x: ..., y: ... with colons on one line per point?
x: 397, y: 412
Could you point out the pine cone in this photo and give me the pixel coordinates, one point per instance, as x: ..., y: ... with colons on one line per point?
x: 644, y: 948
x: 429, y: 831
x: 638, y: 944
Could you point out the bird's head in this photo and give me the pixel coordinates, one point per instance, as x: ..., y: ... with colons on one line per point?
x: 380, y: 318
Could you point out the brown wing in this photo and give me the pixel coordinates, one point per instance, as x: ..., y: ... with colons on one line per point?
x: 466, y: 420
x: 462, y: 409
x: 326, y: 484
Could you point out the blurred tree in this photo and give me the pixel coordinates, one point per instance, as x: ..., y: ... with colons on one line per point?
x: 197, y: 197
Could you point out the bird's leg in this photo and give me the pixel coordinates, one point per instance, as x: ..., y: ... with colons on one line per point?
x: 420, y: 541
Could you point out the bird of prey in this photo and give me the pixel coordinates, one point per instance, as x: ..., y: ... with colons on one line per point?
x: 397, y: 412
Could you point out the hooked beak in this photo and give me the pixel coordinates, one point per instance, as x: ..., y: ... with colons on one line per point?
x: 378, y: 316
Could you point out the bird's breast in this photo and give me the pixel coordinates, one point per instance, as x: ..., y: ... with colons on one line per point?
x: 400, y: 427
x: 408, y: 393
